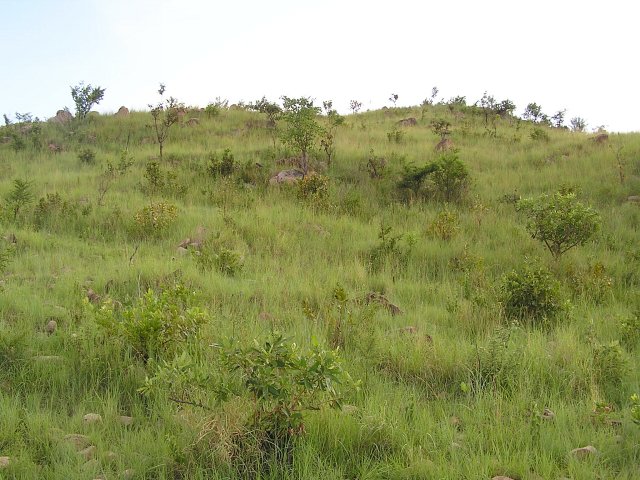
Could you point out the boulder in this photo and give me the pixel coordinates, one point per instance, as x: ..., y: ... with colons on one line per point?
x: 633, y: 198
x: 77, y: 440
x: 62, y: 116
x: 91, y: 418
x: 286, y: 176
x: 126, y: 420
x: 408, y: 122
x: 4, y: 462
x: 51, y: 326
x: 54, y: 148
x: 584, y: 452
x: 122, y: 111
x: 444, y: 144
x: 601, y: 138
x: 88, y: 453
x: 192, y: 122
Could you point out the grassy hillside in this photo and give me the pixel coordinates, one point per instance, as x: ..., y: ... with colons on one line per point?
x: 407, y: 290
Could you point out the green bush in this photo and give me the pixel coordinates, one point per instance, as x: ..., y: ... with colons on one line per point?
x: 446, y: 179
x: 559, y: 221
x: 87, y: 156
x: 314, y: 189
x: 156, y: 325
x: 630, y: 331
x: 215, y: 255
x: 154, y: 219
x: 531, y: 293
x: 609, y: 368
x: 223, y: 165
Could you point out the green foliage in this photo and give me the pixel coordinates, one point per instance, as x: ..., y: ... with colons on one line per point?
x: 6, y: 255
x: 559, y: 221
x: 212, y: 110
x: 395, y: 135
x: 392, y: 250
x: 164, y: 115
x: 531, y: 294
x: 160, y: 181
x: 635, y: 408
x: 375, y: 166
x: 154, y: 219
x: 314, y: 189
x: 445, y: 226
x: 87, y: 156
x: 578, y: 124
x: 284, y: 382
x: 630, y: 331
x: 221, y: 165
x: 20, y: 196
x: 333, y: 120
x: 302, y: 128
x: 157, y: 325
x: 52, y: 211
x: 85, y: 97
x: 540, y: 135
x: 441, y: 127
x: 592, y: 282
x: 450, y: 178
x: 216, y: 255
x: 609, y: 368
x: 533, y: 112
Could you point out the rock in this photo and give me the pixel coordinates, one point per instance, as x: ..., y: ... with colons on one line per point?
x: 54, y: 148
x: 633, y: 198
x: 584, y: 452
x: 380, y: 299
x: 4, y: 462
x: 51, y: 327
x: 601, y: 138
x: 408, y: 122
x: 181, y: 251
x: 122, y: 111
x: 88, y: 453
x: 62, y: 116
x: 93, y: 296
x: 77, y: 440
x: 501, y: 477
x: 265, y: 317
x: 126, y: 421
x: 192, y: 122
x: 547, y: 414
x: 91, y: 418
x: 128, y: 473
x: 410, y: 330
x: 455, y: 421
x: 349, y: 409
x: 286, y: 176
x: 111, y: 456
x: 444, y: 144
x: 5, y: 139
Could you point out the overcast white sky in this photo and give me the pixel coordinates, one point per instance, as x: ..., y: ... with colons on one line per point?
x: 578, y: 55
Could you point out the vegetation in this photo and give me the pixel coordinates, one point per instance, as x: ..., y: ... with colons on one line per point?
x: 391, y: 315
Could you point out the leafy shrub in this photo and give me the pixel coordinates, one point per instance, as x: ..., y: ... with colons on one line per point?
x: 284, y: 382
x: 314, y: 189
x: 531, y: 293
x: 592, y: 283
x: 635, y: 408
x: 51, y: 210
x: 630, y: 331
x: 20, y: 196
x: 156, y: 324
x: 214, y: 255
x: 392, y: 250
x: 223, y: 165
x: 539, y: 135
x: 609, y: 367
x: 375, y: 165
x: 446, y: 179
x: 559, y: 221
x: 87, y: 156
x: 155, y: 219
x: 159, y: 181
x: 445, y: 226
x: 395, y: 135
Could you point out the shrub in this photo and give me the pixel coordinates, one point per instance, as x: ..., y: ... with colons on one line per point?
x: 223, y: 165
x: 592, y: 283
x: 609, y: 368
x: 214, y: 255
x: 538, y: 134
x: 559, y: 221
x: 156, y: 324
x: 375, y: 165
x: 85, y: 97
x: 155, y: 218
x: 450, y: 177
x: 87, y: 156
x: 51, y: 210
x: 445, y: 226
x: 301, y: 126
x: 635, y: 408
x: 314, y: 189
x: 395, y: 135
x: 20, y: 196
x: 630, y: 331
x: 391, y: 249
x: 284, y: 382
x: 531, y: 293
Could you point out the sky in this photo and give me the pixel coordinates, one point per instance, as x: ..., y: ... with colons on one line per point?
x: 581, y: 56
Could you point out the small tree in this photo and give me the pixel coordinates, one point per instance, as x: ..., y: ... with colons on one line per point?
x: 334, y: 120
x: 533, y: 112
x: 558, y: 118
x: 355, y: 106
x: 272, y: 111
x: 85, y: 97
x: 164, y: 115
x: 20, y: 196
x: 559, y: 221
x: 302, y: 127
x: 578, y: 124
x: 393, y: 98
